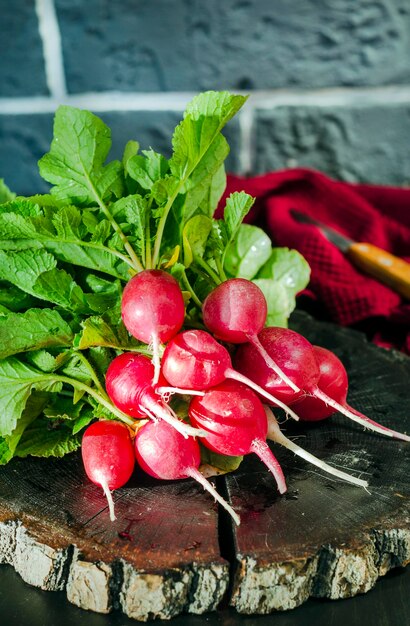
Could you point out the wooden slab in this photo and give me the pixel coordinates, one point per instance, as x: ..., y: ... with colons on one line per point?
x: 326, y: 538
x: 168, y: 552
x: 160, y: 558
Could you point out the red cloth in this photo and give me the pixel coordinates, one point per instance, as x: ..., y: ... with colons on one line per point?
x: 367, y: 213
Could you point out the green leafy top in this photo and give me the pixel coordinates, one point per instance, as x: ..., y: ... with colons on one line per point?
x: 66, y: 256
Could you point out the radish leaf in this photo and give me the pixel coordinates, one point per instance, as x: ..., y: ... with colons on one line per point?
x: 220, y: 463
x: 33, y: 409
x: 147, y: 169
x: 280, y: 301
x: 248, y: 252
x: 17, y: 381
x: 98, y: 332
x: 32, y: 330
x: 287, y: 267
x: 75, y: 163
x: 34, y: 271
x: 216, y: 188
x: 195, y: 235
x: 41, y: 440
x: 65, y: 236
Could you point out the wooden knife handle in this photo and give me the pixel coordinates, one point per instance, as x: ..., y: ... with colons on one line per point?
x: 386, y: 267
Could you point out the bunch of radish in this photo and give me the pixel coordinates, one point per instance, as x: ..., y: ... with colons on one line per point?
x: 226, y: 413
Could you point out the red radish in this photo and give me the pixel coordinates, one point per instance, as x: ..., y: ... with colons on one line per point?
x: 194, y: 359
x: 297, y: 358
x: 235, y: 311
x: 235, y: 423
x: 294, y: 354
x: 129, y: 384
x: 275, y: 434
x: 108, y: 457
x: 333, y: 381
x: 163, y: 453
x: 153, y: 309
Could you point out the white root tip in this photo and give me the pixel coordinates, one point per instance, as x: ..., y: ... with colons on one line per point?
x: 148, y: 413
x: 263, y: 451
x: 110, y: 501
x: 156, y: 361
x: 275, y: 434
x: 358, y: 417
x: 194, y: 473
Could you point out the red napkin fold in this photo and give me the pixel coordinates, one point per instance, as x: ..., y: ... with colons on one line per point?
x: 366, y: 213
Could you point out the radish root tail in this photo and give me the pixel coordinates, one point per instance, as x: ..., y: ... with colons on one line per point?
x: 110, y: 501
x: 359, y: 417
x: 263, y: 451
x: 276, y: 435
x: 192, y: 472
x: 165, y: 392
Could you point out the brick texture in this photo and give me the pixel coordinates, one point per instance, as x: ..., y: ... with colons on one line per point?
x: 24, y: 139
x: 21, y: 57
x: 368, y: 143
x: 190, y: 45
x: 171, y: 45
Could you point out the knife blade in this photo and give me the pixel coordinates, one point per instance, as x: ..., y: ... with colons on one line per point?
x: 385, y: 267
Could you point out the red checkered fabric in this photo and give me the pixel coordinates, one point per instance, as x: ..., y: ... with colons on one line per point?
x: 367, y: 213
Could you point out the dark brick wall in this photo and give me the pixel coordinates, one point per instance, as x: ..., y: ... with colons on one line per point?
x: 21, y: 53
x: 362, y: 143
x: 23, y: 140
x: 173, y: 45
x: 329, y: 80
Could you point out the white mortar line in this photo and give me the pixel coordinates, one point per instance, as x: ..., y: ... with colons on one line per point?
x: 52, y: 49
x: 337, y: 96
x: 176, y: 101
x: 123, y: 101
x: 106, y: 101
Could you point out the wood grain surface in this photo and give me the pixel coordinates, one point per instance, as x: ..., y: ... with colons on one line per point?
x: 325, y: 537
x: 170, y: 550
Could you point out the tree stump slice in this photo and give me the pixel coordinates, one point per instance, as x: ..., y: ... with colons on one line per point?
x: 170, y: 551
x: 326, y: 538
x: 158, y: 559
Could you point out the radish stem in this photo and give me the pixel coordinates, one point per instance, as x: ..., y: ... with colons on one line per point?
x: 192, y: 472
x: 231, y: 373
x: 81, y: 356
x: 162, y: 391
x: 151, y: 408
x: 135, y: 260
x: 155, y: 358
x: 191, y: 291
x: 271, y: 363
x: 83, y: 387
